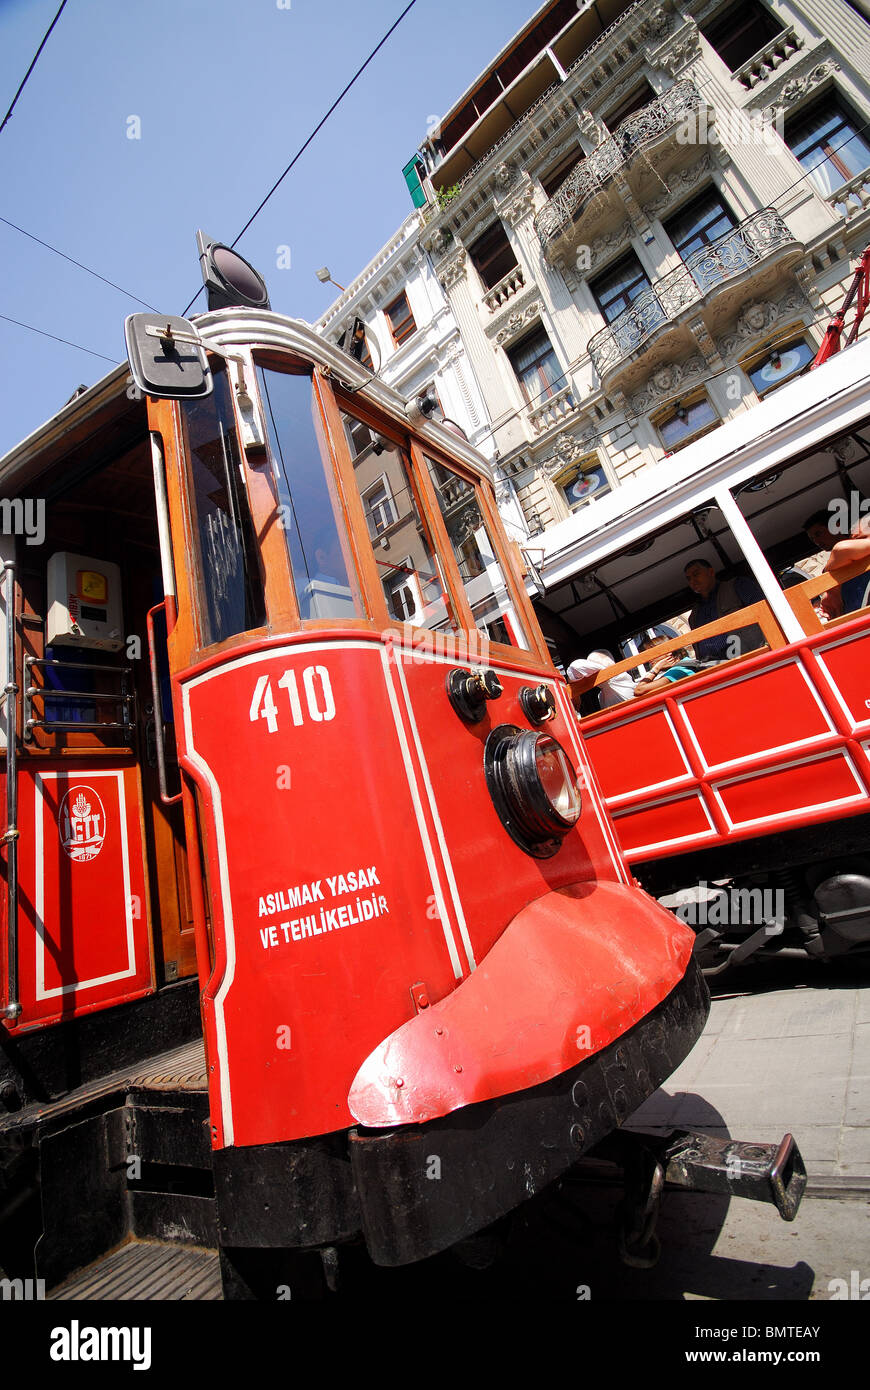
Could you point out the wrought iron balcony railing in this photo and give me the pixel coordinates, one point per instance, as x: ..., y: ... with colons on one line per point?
x: 738, y: 250
x: 630, y: 137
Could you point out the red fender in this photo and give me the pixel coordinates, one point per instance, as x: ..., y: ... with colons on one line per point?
x: 571, y: 973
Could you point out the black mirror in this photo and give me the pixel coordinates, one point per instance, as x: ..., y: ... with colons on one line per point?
x: 166, y: 357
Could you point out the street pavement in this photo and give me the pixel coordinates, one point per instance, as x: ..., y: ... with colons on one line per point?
x: 786, y: 1049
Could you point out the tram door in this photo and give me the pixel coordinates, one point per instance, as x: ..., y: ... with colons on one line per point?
x: 104, y: 910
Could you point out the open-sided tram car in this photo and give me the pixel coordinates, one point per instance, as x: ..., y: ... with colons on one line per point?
x: 750, y: 778
x: 289, y: 769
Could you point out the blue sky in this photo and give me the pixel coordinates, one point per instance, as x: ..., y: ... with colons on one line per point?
x: 225, y: 93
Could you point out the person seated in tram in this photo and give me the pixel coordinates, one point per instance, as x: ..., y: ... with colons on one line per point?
x: 853, y: 594
x: 716, y: 599
x: 604, y: 696
x: 674, y: 666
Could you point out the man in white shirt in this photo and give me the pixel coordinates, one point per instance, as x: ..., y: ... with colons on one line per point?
x: 611, y: 692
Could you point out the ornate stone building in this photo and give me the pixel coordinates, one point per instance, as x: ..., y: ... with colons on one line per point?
x: 642, y: 216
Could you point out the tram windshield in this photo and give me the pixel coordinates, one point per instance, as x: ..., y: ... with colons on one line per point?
x: 408, y: 568
x: 479, y: 568
x: 232, y: 595
x: 323, y: 575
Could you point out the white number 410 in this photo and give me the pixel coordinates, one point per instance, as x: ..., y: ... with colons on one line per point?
x: 263, y: 705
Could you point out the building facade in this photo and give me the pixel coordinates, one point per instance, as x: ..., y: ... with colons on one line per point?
x: 642, y: 217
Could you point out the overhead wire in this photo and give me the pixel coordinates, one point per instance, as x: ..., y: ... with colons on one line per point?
x: 67, y: 341
x: 23, y: 82
x: 320, y: 124
x: 80, y: 264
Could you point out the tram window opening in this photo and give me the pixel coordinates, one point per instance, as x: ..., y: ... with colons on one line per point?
x: 323, y: 574
x: 229, y: 575
x: 479, y: 569
x: 412, y: 582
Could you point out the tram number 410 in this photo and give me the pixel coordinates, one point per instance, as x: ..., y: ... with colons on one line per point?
x: 316, y: 688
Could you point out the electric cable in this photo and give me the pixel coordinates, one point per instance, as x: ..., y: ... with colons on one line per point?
x: 321, y: 123
x: 81, y: 266
x: 41, y: 331
x: 23, y: 82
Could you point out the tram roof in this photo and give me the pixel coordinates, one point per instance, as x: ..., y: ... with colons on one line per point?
x: 797, y: 417
x: 227, y: 328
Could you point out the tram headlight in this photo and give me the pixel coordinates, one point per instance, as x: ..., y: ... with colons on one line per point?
x: 533, y: 786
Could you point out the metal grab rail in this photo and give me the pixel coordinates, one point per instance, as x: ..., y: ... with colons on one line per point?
x: 158, y: 708
x: 123, y: 697
x: 12, y: 1007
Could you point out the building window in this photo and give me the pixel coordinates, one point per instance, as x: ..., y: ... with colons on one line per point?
x: 686, y: 421
x: 536, y: 367
x: 739, y: 32
x: 583, y: 482
x: 825, y: 140
x: 640, y: 97
x: 379, y: 507
x: 619, y: 286
x: 778, y: 365
x: 700, y: 222
x: 402, y: 592
x: 553, y: 179
x: 492, y: 255
x: 400, y: 319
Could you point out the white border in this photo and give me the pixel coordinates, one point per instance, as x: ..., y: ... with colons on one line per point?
x: 42, y: 807
x: 761, y: 752
x: 801, y: 811
x: 698, y: 837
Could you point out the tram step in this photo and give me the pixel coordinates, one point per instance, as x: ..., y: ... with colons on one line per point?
x: 148, y: 1270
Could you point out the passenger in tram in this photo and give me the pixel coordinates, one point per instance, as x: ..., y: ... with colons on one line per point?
x: 603, y: 696
x: 853, y: 594
x: 717, y: 598
x: 675, y: 666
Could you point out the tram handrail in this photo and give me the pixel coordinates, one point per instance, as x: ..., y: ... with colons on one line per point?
x: 12, y: 1007
x: 799, y: 596
x: 757, y: 614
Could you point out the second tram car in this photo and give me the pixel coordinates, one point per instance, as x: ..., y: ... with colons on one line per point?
x: 290, y: 775
x: 740, y: 792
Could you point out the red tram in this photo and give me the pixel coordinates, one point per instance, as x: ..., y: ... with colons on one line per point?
x: 751, y: 777
x: 289, y: 769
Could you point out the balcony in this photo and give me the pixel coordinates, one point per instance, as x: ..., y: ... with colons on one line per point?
x: 762, y: 243
x: 559, y: 222
x: 768, y: 59
x: 506, y: 288
x: 852, y: 197
x: 552, y: 411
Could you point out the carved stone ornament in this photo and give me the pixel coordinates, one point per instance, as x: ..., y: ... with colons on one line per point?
x: 678, y: 184
x: 567, y: 448
x: 809, y: 73
x: 608, y: 243
x: 758, y: 317
x: 505, y: 175
x: 517, y: 321
x: 594, y: 131
x: 453, y: 269
x: 682, y: 48
x: 520, y: 206
x: 670, y: 379
x: 441, y: 242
